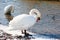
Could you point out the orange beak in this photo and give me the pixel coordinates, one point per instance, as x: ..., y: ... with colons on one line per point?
x: 38, y: 19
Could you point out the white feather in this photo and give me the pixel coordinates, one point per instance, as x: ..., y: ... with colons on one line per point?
x: 22, y: 22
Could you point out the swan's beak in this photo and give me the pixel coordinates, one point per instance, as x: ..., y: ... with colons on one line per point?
x: 38, y: 19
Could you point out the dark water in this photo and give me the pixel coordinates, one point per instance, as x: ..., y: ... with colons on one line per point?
x: 47, y: 25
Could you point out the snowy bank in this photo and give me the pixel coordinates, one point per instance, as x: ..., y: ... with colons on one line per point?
x: 17, y: 32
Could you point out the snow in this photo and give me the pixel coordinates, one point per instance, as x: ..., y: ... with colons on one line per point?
x: 18, y: 32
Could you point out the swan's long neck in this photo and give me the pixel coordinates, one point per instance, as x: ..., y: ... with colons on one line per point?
x: 8, y: 13
x: 8, y: 10
x: 35, y: 13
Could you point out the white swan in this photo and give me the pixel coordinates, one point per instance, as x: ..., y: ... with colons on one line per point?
x: 24, y: 21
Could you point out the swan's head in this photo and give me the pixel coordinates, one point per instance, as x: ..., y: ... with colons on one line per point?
x: 9, y: 9
x: 36, y: 14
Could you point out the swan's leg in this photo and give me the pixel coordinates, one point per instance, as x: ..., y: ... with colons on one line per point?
x: 22, y: 32
x: 26, y: 34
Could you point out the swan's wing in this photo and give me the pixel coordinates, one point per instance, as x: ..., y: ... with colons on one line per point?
x: 22, y: 22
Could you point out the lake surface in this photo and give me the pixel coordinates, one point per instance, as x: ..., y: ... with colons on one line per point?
x: 47, y: 24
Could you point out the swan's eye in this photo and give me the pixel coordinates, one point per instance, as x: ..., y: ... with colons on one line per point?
x: 38, y: 18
